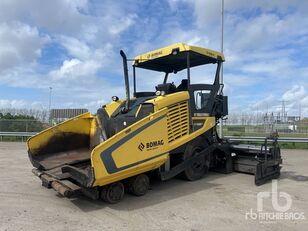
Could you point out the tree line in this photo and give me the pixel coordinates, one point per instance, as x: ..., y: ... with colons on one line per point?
x: 20, y: 123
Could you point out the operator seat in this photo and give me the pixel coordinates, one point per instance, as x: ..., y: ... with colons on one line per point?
x: 168, y: 88
x: 183, y: 85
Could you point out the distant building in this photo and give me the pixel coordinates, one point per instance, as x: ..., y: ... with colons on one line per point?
x: 59, y: 115
x: 292, y: 119
x: 280, y: 123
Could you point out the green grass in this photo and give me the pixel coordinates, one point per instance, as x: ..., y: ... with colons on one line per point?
x: 293, y: 145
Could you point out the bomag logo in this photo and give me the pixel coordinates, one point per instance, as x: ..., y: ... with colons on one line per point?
x: 141, y: 146
x: 154, y: 55
x: 152, y: 145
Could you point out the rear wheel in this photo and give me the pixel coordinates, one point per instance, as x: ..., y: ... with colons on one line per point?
x: 198, y: 168
x: 138, y: 185
x: 113, y: 193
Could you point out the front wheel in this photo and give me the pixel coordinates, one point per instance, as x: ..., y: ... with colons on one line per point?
x: 198, y: 168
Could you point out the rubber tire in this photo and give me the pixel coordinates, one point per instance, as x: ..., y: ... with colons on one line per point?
x: 112, y: 193
x: 139, y: 185
x: 196, y: 170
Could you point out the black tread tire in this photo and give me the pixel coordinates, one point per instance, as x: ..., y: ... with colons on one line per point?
x: 112, y: 193
x: 139, y: 185
x: 196, y: 170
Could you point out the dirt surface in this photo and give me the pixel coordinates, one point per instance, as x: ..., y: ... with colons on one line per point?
x: 216, y: 202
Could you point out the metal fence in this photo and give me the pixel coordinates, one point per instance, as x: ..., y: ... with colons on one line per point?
x: 16, y: 130
x: 263, y: 123
x: 19, y: 130
x: 7, y: 125
x: 23, y: 136
x: 298, y: 129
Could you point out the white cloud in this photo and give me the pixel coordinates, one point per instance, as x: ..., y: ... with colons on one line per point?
x: 122, y: 24
x: 263, y: 42
x: 294, y: 100
x: 296, y: 93
x: 85, y: 37
x: 20, y: 44
x: 83, y: 69
x: 95, y: 103
x: 281, y: 67
x: 266, y: 31
x: 252, y: 25
x: 58, y: 16
x: 24, y: 77
x: 304, y: 106
x: 75, y: 47
x: 265, y: 104
x: 237, y: 80
x: 173, y: 4
x: 74, y: 69
x: 15, y: 103
x: 208, y: 12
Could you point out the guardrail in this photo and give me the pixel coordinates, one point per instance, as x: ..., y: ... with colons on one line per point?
x: 231, y: 138
x: 260, y: 139
x: 23, y: 135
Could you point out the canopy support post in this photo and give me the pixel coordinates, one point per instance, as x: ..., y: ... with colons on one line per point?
x: 166, y: 77
x: 134, y: 79
x: 188, y: 68
x: 188, y: 87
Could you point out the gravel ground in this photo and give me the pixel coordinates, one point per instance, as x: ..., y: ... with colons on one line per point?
x: 216, y: 202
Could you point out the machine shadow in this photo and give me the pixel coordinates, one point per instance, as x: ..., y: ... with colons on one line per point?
x: 161, y: 191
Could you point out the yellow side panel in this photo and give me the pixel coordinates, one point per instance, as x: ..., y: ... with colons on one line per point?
x: 146, y: 144
x: 138, y: 148
x: 111, y: 107
x: 79, y: 125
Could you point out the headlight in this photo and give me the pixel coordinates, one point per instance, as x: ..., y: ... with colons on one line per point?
x: 162, y: 93
x: 115, y: 98
x: 175, y: 51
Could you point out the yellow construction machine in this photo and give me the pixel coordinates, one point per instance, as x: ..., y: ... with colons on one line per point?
x: 170, y: 131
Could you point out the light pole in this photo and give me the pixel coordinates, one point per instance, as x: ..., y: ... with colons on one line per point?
x: 222, y: 69
x: 49, y: 106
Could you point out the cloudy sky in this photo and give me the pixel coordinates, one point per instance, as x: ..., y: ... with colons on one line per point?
x: 73, y: 46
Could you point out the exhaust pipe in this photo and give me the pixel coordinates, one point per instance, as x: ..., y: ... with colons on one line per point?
x: 126, y: 80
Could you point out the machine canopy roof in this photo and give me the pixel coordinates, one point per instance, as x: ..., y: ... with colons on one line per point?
x: 173, y: 58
